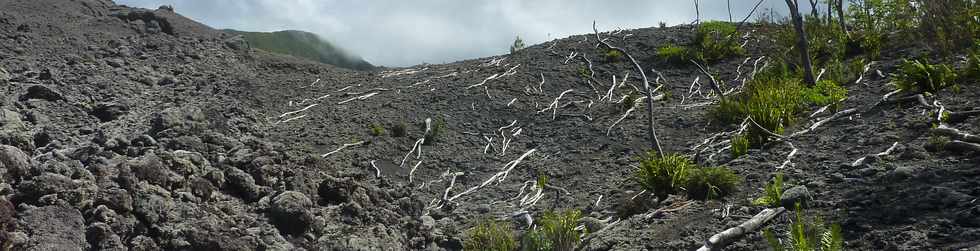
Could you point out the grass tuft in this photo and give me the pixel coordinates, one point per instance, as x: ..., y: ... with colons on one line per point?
x: 711, y: 183
x: 918, y: 76
x: 773, y: 191
x: 675, y: 173
x: 490, y: 235
x: 740, y: 145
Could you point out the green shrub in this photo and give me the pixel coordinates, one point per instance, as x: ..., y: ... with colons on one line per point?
x: 972, y: 70
x: 398, y: 130
x: 773, y: 191
x: 517, y: 46
x: 919, y: 76
x: 535, y: 240
x: 843, y: 72
x: 377, y: 130
x: 825, y: 92
x: 951, y: 25
x: 711, y: 183
x: 675, y: 173
x: 490, y: 235
x: 613, y: 55
x: 436, y: 132
x: 560, y: 229
x: 807, y: 235
x: 772, y: 101
x: 629, y: 101
x: 673, y: 54
x: 664, y: 176
x: 716, y: 40
x: 740, y: 145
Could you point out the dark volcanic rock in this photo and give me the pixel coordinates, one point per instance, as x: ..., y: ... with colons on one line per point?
x: 47, y: 183
x: 243, y: 183
x: 42, y: 92
x: 797, y: 194
x: 109, y: 111
x: 290, y: 212
x: 13, y: 162
x: 54, y: 228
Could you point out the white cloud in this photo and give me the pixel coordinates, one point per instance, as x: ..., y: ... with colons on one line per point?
x: 402, y: 32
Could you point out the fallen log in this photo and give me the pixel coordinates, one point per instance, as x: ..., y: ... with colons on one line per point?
x: 720, y: 240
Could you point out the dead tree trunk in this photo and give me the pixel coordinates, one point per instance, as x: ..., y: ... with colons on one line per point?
x: 730, y: 20
x: 697, y: 11
x: 802, y: 43
x: 840, y: 17
x: 813, y: 9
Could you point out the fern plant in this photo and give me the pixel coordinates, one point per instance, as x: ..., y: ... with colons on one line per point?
x: 773, y: 191
x: 665, y: 175
x: 807, y: 235
x: 740, y: 145
x: 490, y: 235
x: 561, y: 229
x: 711, y: 183
x: 918, y: 76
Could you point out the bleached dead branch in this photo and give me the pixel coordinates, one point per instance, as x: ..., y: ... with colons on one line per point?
x: 389, y: 74
x: 861, y: 161
x: 362, y: 97
x: 499, y: 177
x: 720, y: 240
x: 412, y: 172
x: 626, y: 114
x: 418, y: 143
x: 342, y: 148
x: 511, y: 71
x: 554, y: 105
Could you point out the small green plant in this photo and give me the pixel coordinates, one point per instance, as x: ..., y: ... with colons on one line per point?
x: 711, y: 183
x: 740, y: 145
x: 535, y: 240
x: 675, y: 173
x: 825, y: 92
x: 918, y: 76
x: 490, y: 235
x: 517, y: 46
x: 715, y: 41
x: 807, y: 235
x: 398, y: 130
x: 665, y: 175
x: 972, y: 70
x: 377, y: 130
x: 673, y: 54
x: 773, y: 102
x: 773, y: 191
x: 613, y: 55
x: 938, y: 142
x: 629, y: 101
x: 560, y: 229
x: 436, y: 132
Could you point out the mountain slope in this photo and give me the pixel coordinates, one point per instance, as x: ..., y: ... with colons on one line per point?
x: 177, y: 139
x: 304, y: 45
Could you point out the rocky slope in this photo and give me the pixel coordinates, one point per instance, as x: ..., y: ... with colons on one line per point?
x: 145, y: 130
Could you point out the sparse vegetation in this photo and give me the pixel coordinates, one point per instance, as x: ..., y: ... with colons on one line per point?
x: 535, y: 240
x: 917, y: 76
x: 673, y: 54
x: 517, y: 46
x: 740, y: 145
x: 629, y: 101
x: 377, y: 130
x: 825, y: 92
x: 613, y: 56
x: 715, y: 41
x: 773, y: 191
x: 437, y: 131
x: 490, y: 235
x: 560, y: 229
x: 807, y: 235
x: 675, y: 173
x: 771, y: 100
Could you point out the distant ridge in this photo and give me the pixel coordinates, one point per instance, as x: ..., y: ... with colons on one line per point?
x: 304, y: 45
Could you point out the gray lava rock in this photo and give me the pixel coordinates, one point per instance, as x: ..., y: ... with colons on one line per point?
x: 115, y: 62
x: 7, y: 222
x: 54, y: 228
x: 116, y: 198
x: 290, y: 212
x: 335, y: 191
x: 143, y: 243
x: 44, y: 184
x: 109, y: 111
x: 243, y: 183
x: 167, y: 80
x: 202, y: 188
x: 41, y: 92
x: 151, y: 169
x: 13, y: 131
x: 428, y: 222
x: 797, y: 194
x: 152, y: 203
x: 101, y: 235
x: 14, y: 162
x: 904, y: 172
x: 4, y: 76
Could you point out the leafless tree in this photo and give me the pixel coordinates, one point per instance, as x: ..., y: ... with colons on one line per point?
x: 839, y: 5
x: 801, y: 42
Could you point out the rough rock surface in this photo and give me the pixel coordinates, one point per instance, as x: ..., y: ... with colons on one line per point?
x: 125, y: 128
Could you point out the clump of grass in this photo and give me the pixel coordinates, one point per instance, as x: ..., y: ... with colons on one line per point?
x: 436, y: 132
x: 675, y: 173
x: 559, y: 229
x: 918, y: 76
x: 807, y: 235
x: 613, y: 55
x: 972, y: 70
x: 740, y: 145
x: 715, y: 41
x: 773, y: 191
x: 398, y: 130
x: 377, y: 130
x: 490, y: 235
x: 825, y: 92
x: 535, y: 240
x: 938, y: 142
x: 629, y: 101
x: 772, y: 102
x: 711, y: 183
x: 584, y: 72
x: 673, y: 54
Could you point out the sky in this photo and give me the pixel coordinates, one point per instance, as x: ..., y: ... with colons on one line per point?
x: 401, y: 33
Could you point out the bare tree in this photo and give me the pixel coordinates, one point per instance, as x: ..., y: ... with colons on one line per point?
x: 801, y: 42
x: 839, y: 4
x: 697, y: 11
x: 813, y: 8
x: 730, y: 20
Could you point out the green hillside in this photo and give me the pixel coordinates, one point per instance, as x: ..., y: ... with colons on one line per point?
x: 304, y: 45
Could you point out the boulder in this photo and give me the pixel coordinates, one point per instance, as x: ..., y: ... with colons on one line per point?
x: 44, y: 184
x: 13, y: 130
x: 290, y: 212
x: 54, y: 228
x: 242, y: 183
x: 797, y: 194
x: 109, y: 111
x: 42, y: 92
x: 14, y: 162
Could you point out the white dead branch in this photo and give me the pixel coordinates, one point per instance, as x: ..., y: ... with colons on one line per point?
x: 362, y: 97
x: 289, y: 119
x: 861, y: 161
x: 499, y: 177
x: 867, y: 67
x: 570, y: 57
x: 511, y: 71
x: 388, y: 74
x: 720, y: 240
x: 297, y: 111
x: 837, y: 115
x: 412, y: 172
x: 626, y: 114
x: 493, y: 62
x: 541, y: 85
x: 376, y: 169
x: 452, y: 182
x: 344, y: 89
x: 312, y: 85
x: 789, y: 157
x: 554, y: 105
x: 342, y: 148
x: 714, y: 82
x: 820, y: 75
x: 418, y: 143
x: 511, y: 102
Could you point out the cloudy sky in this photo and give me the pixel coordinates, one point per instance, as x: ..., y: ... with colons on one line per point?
x: 409, y: 32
